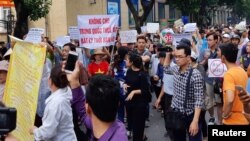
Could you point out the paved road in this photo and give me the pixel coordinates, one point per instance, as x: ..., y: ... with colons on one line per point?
x: 156, y: 129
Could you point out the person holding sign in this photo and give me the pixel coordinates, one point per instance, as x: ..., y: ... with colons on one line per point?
x: 232, y: 108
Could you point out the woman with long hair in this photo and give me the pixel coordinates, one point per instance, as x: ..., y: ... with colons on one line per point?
x: 119, y: 70
x: 137, y: 89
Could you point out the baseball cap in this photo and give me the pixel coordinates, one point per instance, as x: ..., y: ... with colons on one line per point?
x: 4, y: 65
x: 226, y: 35
x: 235, y: 36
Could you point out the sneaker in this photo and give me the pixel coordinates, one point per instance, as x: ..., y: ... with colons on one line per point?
x: 211, y: 121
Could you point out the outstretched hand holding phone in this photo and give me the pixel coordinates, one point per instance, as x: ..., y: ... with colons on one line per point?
x: 71, y: 61
x: 245, y: 99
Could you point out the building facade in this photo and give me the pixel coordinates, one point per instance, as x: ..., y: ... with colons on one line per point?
x: 63, y: 13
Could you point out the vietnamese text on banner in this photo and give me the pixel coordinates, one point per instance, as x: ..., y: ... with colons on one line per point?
x: 22, y: 85
x: 97, y: 30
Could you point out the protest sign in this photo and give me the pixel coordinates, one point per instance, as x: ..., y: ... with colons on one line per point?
x: 153, y: 27
x: 22, y: 85
x: 144, y: 29
x: 97, y: 30
x: 178, y: 37
x: 62, y: 40
x: 74, y: 32
x: 34, y: 35
x: 216, y: 68
x: 190, y: 27
x: 128, y: 36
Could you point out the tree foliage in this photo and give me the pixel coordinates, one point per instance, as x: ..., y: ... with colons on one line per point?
x: 29, y: 9
x: 37, y: 8
x: 147, y: 6
x: 203, y: 9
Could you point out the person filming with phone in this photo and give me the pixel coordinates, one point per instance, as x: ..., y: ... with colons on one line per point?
x: 245, y: 99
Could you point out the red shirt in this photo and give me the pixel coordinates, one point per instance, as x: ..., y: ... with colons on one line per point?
x: 101, y: 68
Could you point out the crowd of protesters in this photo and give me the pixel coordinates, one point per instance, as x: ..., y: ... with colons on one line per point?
x: 108, y: 95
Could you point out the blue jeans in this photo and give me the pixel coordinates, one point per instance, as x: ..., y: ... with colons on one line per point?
x: 180, y: 135
x: 121, y: 108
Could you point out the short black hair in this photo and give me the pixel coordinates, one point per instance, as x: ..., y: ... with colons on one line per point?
x: 230, y: 51
x: 136, y: 60
x: 59, y: 77
x: 187, y: 49
x: 72, y: 47
x: 102, y: 95
x: 216, y: 37
x: 141, y: 37
x: 185, y: 41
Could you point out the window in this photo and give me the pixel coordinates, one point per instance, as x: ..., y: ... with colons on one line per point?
x: 4, y: 12
x: 161, y: 10
x: 171, y: 12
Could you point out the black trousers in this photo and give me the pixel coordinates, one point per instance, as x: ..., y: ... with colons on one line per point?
x: 136, y: 120
x: 167, y: 105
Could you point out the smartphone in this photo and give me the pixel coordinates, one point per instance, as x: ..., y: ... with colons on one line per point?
x: 194, y: 39
x: 239, y: 88
x: 71, y: 61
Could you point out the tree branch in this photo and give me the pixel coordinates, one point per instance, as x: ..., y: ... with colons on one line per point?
x: 132, y: 9
x: 146, y: 9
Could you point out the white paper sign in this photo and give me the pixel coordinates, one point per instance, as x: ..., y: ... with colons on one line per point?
x: 153, y: 27
x: 178, y: 23
x: 190, y: 27
x: 97, y: 30
x: 216, y: 68
x: 74, y: 32
x: 128, y: 36
x: 34, y: 35
x: 178, y: 37
x: 144, y: 29
x: 62, y: 40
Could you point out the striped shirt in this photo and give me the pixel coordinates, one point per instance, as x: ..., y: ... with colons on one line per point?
x: 195, y: 97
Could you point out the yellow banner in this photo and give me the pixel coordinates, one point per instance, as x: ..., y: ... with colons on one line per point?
x: 22, y: 86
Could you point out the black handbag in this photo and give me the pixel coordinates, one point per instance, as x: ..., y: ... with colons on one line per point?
x: 174, y: 119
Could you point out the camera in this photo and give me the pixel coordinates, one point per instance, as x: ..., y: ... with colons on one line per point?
x: 165, y: 49
x: 7, y: 120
